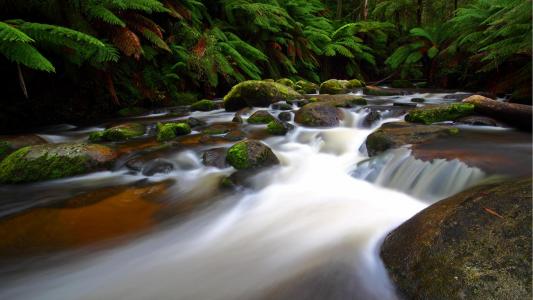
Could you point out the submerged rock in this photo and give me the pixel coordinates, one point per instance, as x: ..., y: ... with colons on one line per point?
x: 157, y: 166
x: 285, y: 116
x: 397, y: 134
x: 169, y: 131
x: 474, y: 245
x: 54, y: 161
x: 257, y: 93
x: 478, y: 121
x: 371, y: 118
x: 215, y: 157
x: 447, y: 112
x: 118, y: 133
x: 260, y: 117
x: 319, y: 115
x: 194, y: 122
x: 204, y: 105
x: 250, y: 154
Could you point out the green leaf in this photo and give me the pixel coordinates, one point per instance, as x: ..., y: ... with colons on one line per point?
x: 432, y: 52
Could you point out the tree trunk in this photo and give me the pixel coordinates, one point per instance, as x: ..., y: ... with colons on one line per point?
x: 419, y: 11
x: 339, y: 9
x: 518, y: 115
x: 455, y: 2
x: 365, y: 10
x: 22, y: 82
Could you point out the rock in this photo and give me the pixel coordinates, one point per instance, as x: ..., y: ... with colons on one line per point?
x: 131, y: 111
x: 518, y: 115
x: 339, y: 100
x: 257, y: 93
x: 204, y: 105
x: 318, y: 115
x: 250, y: 154
x: 278, y: 127
x: 118, y: 133
x: 306, y: 87
x: 260, y: 117
x: 194, y: 122
x: 282, y: 106
x: 220, y: 128
x: 440, y: 113
x: 286, y: 82
x: 379, y: 91
x: 9, y: 144
x: 404, y: 104
x: 474, y: 245
x: 478, y: 121
x: 169, y: 131
x: 215, y: 157
x: 402, y: 84
x: 397, y: 134
x: 336, y: 86
x: 157, y: 166
x: 53, y: 161
x: 237, y: 119
x: 418, y: 100
x: 285, y: 116
x: 371, y: 118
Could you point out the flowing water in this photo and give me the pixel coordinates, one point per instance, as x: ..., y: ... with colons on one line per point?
x: 307, y: 229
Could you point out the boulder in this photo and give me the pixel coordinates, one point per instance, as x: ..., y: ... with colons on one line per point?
x: 250, y: 154
x: 439, y: 113
x: 157, y: 166
x: 474, y: 245
x: 306, y: 87
x: 194, y: 122
x: 257, y: 93
x: 339, y: 100
x: 336, y: 86
x: 397, y: 134
x: 118, y: 133
x: 478, y: 121
x: 371, y: 118
x: 204, y: 105
x: 169, y: 131
x: 282, y: 106
x: 278, y: 127
x: 318, y: 115
x: 260, y: 117
x: 215, y: 157
x: 518, y: 115
x: 9, y: 144
x: 286, y: 82
x: 53, y: 161
x: 285, y: 116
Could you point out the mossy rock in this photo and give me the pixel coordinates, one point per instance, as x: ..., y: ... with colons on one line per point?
x: 334, y: 86
x: 306, y: 87
x: 204, y: 105
x: 278, y: 127
x: 131, y: 111
x: 379, y: 91
x: 54, y: 161
x: 348, y: 100
x: 318, y: 115
x: 286, y: 82
x: 396, y: 134
x: 260, y: 117
x: 169, y: 131
x: 9, y: 144
x: 402, y: 84
x: 250, y: 154
x: 418, y: 100
x: 282, y: 106
x: 440, y: 113
x: 118, y: 133
x: 474, y: 245
x: 355, y: 83
x: 257, y: 93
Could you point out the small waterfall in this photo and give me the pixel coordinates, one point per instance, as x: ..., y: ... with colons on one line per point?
x: 427, y: 180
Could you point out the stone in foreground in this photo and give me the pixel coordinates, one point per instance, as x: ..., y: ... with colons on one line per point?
x: 251, y: 154
x: 318, y: 115
x: 474, y: 245
x: 257, y: 93
x: 54, y: 161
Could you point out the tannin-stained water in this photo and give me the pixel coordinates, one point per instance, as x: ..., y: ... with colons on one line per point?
x: 308, y: 229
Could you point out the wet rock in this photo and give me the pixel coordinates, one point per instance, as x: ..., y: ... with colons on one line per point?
x: 440, y: 113
x: 282, y: 106
x: 397, y: 134
x: 404, y: 104
x: 169, y: 131
x: 9, y: 144
x: 157, y: 166
x: 118, y: 133
x: 251, y: 154
x: 194, y: 122
x: 458, y: 96
x: 286, y: 82
x: 478, y: 121
x: 131, y: 111
x: 379, y: 91
x: 257, y: 93
x: 339, y: 100
x: 215, y: 157
x: 402, y: 84
x: 278, y: 127
x: 418, y: 100
x: 285, y: 116
x: 371, y: 118
x: 221, y: 128
x: 237, y: 119
x: 518, y: 115
x: 204, y: 105
x: 319, y: 115
x: 306, y: 87
x: 474, y: 245
x: 260, y: 117
x: 53, y: 161
x: 336, y: 86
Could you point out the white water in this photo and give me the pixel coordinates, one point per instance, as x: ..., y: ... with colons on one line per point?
x: 307, y: 218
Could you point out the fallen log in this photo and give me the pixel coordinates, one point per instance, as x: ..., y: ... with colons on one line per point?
x: 516, y: 115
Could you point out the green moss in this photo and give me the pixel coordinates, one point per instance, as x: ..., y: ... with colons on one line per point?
x: 260, y: 117
x: 237, y: 156
x: 169, y: 131
x: 5, y: 148
x: 203, y: 105
x: 453, y: 131
x: 450, y: 112
x: 277, y: 128
x: 286, y: 82
x: 312, y: 99
x: 118, y: 133
x: 97, y: 136
x: 257, y: 93
x: 334, y: 86
x: 305, y: 87
x: 131, y: 111
x: 355, y: 83
x: 227, y: 183
x: 358, y: 101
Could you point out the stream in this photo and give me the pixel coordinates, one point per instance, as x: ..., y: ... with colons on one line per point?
x: 310, y: 228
